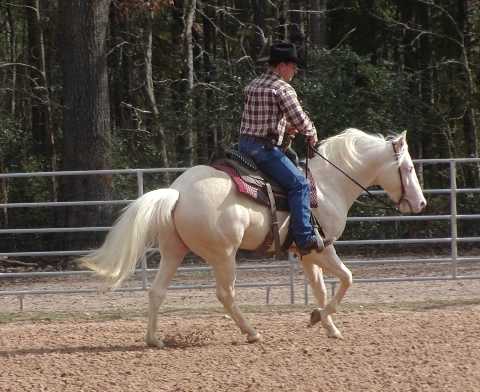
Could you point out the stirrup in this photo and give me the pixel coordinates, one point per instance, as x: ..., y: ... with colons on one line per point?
x: 317, y: 246
x: 321, y: 243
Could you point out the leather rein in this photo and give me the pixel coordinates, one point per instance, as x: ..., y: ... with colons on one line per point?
x: 373, y: 196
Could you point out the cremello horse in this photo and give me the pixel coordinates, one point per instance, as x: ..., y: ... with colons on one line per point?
x: 203, y: 213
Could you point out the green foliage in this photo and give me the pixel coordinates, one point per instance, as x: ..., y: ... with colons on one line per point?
x: 342, y: 89
x: 14, y: 145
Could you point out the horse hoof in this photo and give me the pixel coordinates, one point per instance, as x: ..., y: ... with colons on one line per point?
x: 335, y: 335
x: 254, y: 338
x: 154, y: 342
x: 315, y: 316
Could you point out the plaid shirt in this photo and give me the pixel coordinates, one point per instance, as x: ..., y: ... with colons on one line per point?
x: 271, y: 103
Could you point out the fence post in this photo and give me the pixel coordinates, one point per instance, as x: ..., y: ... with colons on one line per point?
x: 333, y: 285
x: 453, y: 217
x: 305, y: 290
x: 293, y: 262
x: 144, y: 257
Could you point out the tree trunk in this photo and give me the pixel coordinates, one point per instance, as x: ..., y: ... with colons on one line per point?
x: 408, y: 61
x: 318, y: 24
x: 86, y: 114
x: 190, y: 10
x: 158, y: 130
x: 282, y: 20
x: 425, y: 54
x: 469, y: 117
x: 13, y: 59
x: 372, y: 29
x: 10, y: 105
x: 296, y: 28
x: 41, y: 110
x: 206, y: 98
x: 3, y: 191
x: 121, y: 68
x: 260, y: 39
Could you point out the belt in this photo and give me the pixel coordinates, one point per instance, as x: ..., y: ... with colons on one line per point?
x: 258, y: 139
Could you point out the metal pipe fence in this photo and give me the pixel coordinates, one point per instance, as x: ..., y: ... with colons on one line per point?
x: 290, y: 265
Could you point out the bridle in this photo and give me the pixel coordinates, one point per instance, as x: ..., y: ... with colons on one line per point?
x: 402, y: 184
x: 373, y: 196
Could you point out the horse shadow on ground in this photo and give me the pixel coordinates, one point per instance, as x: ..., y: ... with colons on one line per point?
x: 169, y: 344
x: 73, y: 350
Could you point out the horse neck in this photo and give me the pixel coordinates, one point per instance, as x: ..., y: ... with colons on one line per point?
x: 338, y: 187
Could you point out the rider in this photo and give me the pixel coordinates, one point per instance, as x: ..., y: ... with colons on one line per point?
x: 271, y: 109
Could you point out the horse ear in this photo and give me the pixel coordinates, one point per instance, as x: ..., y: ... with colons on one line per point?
x: 401, y: 141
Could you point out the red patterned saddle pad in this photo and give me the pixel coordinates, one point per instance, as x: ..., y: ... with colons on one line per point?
x: 254, y: 186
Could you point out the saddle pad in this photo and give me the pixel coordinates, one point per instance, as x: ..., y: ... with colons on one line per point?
x: 253, y: 187
x: 252, y: 190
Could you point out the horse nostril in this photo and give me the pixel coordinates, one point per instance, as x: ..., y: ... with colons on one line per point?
x: 423, y: 204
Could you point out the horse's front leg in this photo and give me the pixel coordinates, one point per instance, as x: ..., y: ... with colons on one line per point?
x: 314, y: 275
x: 330, y: 261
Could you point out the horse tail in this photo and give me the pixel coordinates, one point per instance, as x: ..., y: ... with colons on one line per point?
x: 137, y: 229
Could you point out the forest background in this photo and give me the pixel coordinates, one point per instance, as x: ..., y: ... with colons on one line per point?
x: 100, y: 84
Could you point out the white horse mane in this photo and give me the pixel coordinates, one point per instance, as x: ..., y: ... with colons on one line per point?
x: 351, y: 145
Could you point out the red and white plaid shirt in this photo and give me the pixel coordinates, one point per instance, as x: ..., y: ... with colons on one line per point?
x: 271, y: 103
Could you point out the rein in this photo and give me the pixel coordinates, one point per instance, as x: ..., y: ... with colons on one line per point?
x: 386, y: 205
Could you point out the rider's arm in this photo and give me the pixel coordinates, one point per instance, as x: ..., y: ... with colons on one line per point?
x: 290, y: 106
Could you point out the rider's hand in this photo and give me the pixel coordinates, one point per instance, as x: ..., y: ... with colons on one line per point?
x: 312, y: 143
x: 291, y: 131
x: 312, y: 140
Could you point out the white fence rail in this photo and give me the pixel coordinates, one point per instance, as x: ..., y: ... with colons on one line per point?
x: 454, y: 259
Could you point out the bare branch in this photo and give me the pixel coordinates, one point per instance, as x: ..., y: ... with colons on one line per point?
x: 3, y: 65
x: 320, y: 12
x: 135, y: 109
x: 444, y: 11
x: 344, y: 38
x: 217, y: 29
x: 19, y: 6
x: 210, y: 86
x: 117, y: 46
x: 431, y: 3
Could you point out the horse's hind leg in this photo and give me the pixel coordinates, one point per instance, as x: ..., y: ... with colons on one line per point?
x: 225, y: 278
x: 172, y: 257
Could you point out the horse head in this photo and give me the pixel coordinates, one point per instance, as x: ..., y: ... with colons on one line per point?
x: 399, y: 179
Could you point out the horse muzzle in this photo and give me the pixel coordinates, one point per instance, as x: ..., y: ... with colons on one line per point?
x: 405, y: 206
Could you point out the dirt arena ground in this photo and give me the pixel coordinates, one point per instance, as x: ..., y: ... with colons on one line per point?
x: 421, y: 336
x: 383, y: 350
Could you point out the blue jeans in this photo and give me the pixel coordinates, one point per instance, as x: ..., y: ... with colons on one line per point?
x: 274, y: 163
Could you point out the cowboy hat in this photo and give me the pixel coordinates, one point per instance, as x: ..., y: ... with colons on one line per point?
x: 281, y: 52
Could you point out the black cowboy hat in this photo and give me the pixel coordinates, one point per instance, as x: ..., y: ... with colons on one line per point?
x: 282, y: 52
